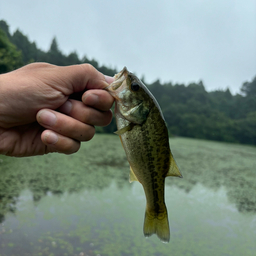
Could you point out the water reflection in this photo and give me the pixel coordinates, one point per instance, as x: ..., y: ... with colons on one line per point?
x: 109, y: 222
x: 102, y: 160
x: 218, y: 164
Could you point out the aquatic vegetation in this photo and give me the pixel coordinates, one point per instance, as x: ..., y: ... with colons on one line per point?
x: 67, y: 205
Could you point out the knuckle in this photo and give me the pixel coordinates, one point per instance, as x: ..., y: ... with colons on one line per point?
x: 38, y: 65
x: 89, y: 68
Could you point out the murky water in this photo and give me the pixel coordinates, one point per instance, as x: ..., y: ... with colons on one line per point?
x: 84, y: 205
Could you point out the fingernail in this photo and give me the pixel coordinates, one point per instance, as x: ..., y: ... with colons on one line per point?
x: 109, y: 79
x: 50, y: 138
x: 90, y: 99
x: 47, y: 118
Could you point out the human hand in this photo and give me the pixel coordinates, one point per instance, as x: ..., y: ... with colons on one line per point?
x: 38, y: 114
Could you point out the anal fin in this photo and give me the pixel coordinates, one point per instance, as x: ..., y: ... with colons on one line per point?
x: 174, y: 170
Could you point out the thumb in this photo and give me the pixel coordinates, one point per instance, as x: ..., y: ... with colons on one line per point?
x: 78, y: 78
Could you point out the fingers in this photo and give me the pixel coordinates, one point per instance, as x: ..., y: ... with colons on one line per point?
x: 63, y: 133
x: 59, y: 143
x: 94, y: 109
x: 67, y: 79
x: 85, y: 114
x: 65, y: 125
x: 109, y: 79
x: 78, y: 78
x: 98, y: 99
x: 76, y: 121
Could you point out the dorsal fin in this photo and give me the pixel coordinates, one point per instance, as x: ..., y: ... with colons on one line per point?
x: 174, y: 170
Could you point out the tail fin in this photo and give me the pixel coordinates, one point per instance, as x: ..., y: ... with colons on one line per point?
x: 157, y: 224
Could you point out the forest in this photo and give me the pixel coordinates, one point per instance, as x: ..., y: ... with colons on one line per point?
x: 189, y: 110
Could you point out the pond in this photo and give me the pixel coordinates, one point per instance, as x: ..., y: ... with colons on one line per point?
x: 83, y: 204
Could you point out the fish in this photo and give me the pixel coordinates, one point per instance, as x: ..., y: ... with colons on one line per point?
x: 144, y: 136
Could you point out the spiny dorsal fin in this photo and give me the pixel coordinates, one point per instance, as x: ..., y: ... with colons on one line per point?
x: 132, y: 176
x: 174, y: 170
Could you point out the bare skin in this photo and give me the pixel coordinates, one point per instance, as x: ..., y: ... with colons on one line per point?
x: 38, y: 114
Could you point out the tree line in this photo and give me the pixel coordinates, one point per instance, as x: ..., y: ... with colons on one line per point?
x: 189, y: 110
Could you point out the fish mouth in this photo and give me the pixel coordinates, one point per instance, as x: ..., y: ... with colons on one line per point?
x: 119, y: 78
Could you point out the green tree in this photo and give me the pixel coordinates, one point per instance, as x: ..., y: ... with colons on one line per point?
x: 10, y: 57
x: 29, y: 50
x: 54, y: 55
x: 189, y: 110
x: 249, y: 88
x: 72, y: 59
x: 5, y: 27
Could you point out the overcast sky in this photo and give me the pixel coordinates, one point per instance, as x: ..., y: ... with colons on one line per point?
x: 179, y: 41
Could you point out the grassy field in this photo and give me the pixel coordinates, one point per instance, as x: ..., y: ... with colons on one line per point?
x: 83, y: 204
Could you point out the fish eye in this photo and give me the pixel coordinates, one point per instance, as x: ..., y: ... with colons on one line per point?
x: 134, y: 86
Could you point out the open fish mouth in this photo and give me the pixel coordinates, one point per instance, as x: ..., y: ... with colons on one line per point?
x: 119, y: 78
x: 124, y: 72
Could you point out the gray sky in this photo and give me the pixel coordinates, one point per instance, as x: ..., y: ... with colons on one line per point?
x: 180, y: 41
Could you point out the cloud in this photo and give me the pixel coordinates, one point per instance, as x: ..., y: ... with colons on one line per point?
x: 179, y: 41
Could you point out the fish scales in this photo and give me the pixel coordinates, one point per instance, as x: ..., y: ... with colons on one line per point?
x: 144, y: 137
x: 150, y: 157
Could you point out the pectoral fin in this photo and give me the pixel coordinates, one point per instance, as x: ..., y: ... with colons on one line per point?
x: 174, y: 170
x: 124, y: 129
x: 132, y: 176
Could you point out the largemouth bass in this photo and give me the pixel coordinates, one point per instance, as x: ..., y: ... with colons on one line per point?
x: 144, y: 136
